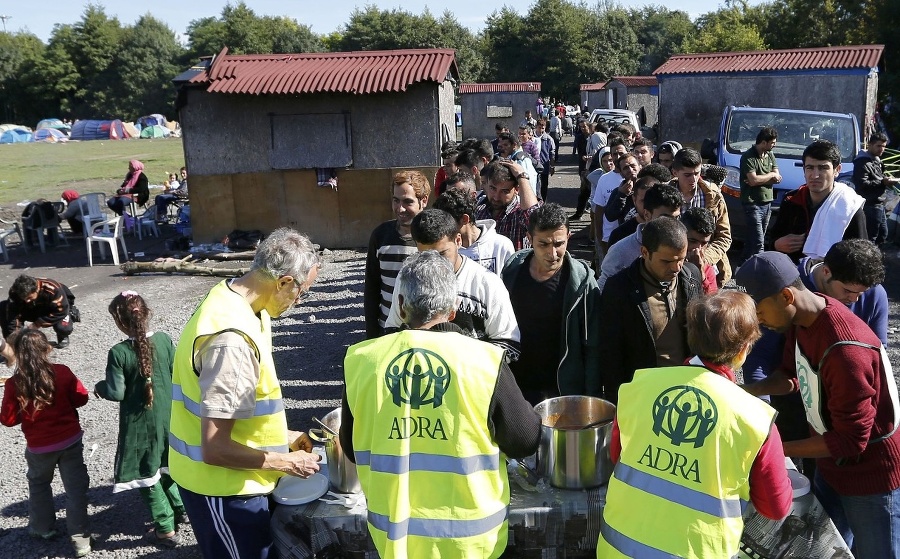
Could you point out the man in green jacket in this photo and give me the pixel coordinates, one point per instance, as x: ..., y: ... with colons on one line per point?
x: 555, y: 299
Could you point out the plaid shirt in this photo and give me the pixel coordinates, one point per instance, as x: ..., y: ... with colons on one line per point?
x: 513, y: 224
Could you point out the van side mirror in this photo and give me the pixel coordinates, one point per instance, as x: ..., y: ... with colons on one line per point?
x: 708, y: 151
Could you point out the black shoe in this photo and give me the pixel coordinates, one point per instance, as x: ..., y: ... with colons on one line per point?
x: 576, y: 216
x: 62, y: 342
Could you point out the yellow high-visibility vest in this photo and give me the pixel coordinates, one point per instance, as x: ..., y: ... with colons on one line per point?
x: 224, y: 310
x: 435, y: 481
x: 689, y: 438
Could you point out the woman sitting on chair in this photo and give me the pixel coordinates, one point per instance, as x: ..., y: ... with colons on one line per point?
x: 135, y: 186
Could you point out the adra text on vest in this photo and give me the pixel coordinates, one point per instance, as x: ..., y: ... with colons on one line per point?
x: 662, y: 460
x: 409, y: 427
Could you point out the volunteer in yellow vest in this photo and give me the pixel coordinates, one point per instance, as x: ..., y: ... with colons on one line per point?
x: 427, y: 415
x: 693, y: 448
x: 229, y: 441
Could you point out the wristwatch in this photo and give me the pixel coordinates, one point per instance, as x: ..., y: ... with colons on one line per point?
x: 521, y: 176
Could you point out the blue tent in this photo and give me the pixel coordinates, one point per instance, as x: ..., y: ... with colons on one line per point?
x: 151, y: 120
x: 49, y: 135
x: 15, y: 136
x: 98, y: 130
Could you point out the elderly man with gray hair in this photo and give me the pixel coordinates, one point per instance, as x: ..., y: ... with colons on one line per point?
x: 435, y: 409
x: 229, y: 440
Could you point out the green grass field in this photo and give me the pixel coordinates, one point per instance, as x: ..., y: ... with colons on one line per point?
x: 38, y: 170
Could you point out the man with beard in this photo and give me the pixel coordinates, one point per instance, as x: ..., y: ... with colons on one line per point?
x: 389, y: 246
x: 842, y: 372
x: 644, y: 324
x: 554, y: 297
x: 509, y: 200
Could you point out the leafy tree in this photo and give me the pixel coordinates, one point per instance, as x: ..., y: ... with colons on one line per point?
x: 452, y: 34
x: 375, y: 29
x: 146, y: 64
x: 727, y: 30
x: 661, y: 32
x: 18, y: 53
x: 206, y: 37
x: 504, y: 48
x: 288, y: 36
x: 94, y: 43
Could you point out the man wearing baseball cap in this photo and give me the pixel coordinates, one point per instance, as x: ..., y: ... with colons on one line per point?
x: 842, y: 372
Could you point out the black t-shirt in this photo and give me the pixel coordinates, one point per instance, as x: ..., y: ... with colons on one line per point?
x: 539, y: 311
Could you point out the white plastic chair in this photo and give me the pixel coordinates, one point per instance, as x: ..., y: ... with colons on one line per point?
x: 96, y: 204
x: 107, y: 232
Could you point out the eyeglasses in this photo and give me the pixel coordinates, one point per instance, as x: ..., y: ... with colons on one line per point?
x: 304, y: 295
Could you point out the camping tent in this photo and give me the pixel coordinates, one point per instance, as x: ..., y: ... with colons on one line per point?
x: 54, y: 123
x: 5, y: 127
x: 14, y: 136
x: 131, y: 130
x: 151, y: 120
x: 98, y: 130
x: 50, y: 135
x: 155, y: 131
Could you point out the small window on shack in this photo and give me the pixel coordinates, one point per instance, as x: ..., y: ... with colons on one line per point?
x: 309, y: 141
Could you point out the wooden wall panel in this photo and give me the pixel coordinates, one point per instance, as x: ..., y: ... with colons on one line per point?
x: 266, y: 201
x: 312, y: 209
x: 212, y: 207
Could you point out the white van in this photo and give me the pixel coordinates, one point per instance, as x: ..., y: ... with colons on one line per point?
x: 615, y: 116
x: 796, y: 130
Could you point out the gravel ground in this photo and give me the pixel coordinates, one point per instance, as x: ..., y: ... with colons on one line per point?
x: 310, y: 344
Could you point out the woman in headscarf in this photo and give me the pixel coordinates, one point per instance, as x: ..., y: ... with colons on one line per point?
x: 135, y: 186
x: 73, y: 211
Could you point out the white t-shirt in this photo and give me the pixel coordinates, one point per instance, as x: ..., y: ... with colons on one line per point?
x: 607, y: 183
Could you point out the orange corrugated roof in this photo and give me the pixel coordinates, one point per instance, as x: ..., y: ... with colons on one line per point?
x: 846, y: 57
x: 507, y: 87
x: 592, y: 86
x: 334, y: 72
x: 636, y: 81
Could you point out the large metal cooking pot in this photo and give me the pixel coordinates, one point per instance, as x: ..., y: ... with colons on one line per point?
x: 341, y: 471
x: 571, y: 456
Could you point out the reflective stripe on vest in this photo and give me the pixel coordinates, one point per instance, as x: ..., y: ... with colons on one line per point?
x: 427, y: 463
x: 437, y: 528
x: 691, y: 498
x: 264, y: 407
x: 633, y: 548
x: 225, y: 311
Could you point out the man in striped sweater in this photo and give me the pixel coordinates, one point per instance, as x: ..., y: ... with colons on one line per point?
x: 389, y: 246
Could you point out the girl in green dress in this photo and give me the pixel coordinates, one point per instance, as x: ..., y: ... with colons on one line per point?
x: 139, y: 377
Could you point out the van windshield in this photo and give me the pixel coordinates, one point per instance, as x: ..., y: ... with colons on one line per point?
x: 795, y: 132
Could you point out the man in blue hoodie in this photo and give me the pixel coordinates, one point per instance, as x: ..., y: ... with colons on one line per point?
x: 555, y: 300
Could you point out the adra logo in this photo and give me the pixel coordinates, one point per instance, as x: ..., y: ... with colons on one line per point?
x: 418, y: 377
x: 684, y: 414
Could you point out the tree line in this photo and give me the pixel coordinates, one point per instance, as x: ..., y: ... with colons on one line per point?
x: 100, y: 68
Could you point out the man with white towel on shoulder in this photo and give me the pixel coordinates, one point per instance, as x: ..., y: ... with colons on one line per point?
x: 820, y: 212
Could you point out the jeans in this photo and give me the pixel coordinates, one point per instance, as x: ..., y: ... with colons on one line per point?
x: 41, y: 510
x: 756, y: 221
x: 870, y: 524
x: 876, y: 223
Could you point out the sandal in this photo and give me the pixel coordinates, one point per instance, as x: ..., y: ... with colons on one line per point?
x: 167, y: 542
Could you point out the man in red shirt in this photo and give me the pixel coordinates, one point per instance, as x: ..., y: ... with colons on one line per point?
x: 842, y: 372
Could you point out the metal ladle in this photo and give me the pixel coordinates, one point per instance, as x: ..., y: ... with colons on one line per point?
x: 591, y: 424
x: 327, y: 429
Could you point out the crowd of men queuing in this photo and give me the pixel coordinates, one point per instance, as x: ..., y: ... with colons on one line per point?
x: 662, y: 234
x: 475, y: 311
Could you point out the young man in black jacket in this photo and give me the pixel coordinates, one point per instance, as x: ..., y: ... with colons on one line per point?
x: 642, y: 308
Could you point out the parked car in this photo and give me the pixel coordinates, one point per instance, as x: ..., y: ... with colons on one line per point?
x: 796, y: 130
x: 615, y: 116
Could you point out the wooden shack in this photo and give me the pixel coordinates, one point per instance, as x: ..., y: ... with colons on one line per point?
x: 257, y: 127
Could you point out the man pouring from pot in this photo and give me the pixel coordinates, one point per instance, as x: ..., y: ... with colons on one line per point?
x: 426, y: 414
x: 692, y: 447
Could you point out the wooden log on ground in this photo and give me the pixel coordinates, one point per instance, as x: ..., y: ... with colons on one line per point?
x: 173, y: 266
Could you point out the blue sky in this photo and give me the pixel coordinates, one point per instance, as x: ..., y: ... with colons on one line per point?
x: 39, y: 16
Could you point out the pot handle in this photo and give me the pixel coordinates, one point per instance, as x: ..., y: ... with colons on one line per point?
x: 319, y: 435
